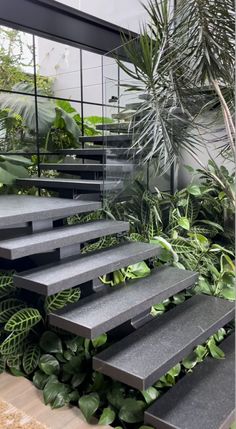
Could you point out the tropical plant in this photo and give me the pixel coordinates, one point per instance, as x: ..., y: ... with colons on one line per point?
x: 11, y: 167
x: 183, y: 73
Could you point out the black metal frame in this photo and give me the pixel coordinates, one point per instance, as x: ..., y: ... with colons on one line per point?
x: 61, y: 23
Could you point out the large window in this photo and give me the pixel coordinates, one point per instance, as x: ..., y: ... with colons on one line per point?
x: 50, y: 93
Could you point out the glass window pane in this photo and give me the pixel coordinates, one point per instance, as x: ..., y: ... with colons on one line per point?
x: 58, y: 69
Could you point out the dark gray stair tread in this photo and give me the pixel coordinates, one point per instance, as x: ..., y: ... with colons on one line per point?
x: 74, y: 167
x: 63, y: 275
x: 116, y: 127
x: 202, y: 399
x: 144, y: 356
x: 61, y: 183
x: 133, y: 106
x: 59, y: 237
x: 95, y: 152
x: 15, y: 209
x: 108, y: 309
x: 101, y: 139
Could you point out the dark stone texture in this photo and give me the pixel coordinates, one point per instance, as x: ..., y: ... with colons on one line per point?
x: 15, y: 209
x: 119, y: 127
x: 59, y: 237
x: 202, y: 399
x: 64, y: 275
x: 77, y: 168
x: 104, y: 311
x: 110, y: 139
x: 144, y: 356
x: 61, y: 183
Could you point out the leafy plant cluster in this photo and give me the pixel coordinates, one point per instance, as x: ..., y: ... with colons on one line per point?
x: 60, y: 365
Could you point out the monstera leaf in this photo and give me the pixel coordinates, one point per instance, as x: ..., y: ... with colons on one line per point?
x: 11, y: 167
x: 23, y: 104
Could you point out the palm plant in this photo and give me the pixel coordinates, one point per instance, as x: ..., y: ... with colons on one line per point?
x: 183, y: 61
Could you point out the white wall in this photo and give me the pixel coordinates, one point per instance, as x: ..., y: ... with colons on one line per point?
x: 213, y: 129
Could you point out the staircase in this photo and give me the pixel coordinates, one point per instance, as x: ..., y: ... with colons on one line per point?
x: 37, y: 227
x: 99, y: 166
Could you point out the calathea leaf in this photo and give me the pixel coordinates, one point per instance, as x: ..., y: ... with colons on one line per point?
x: 108, y: 416
x: 184, y: 223
x: 2, y: 363
x: 60, y: 299
x: 23, y: 320
x: 51, y: 343
x: 31, y: 358
x: 89, y: 404
x: 14, y: 361
x: 13, y: 343
x: 9, y: 307
x: 6, y: 285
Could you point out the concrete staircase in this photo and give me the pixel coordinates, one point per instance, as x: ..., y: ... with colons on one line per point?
x: 38, y: 228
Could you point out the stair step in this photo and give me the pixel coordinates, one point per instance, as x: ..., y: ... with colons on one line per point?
x: 124, y: 115
x: 15, y: 209
x: 61, y: 183
x: 59, y: 237
x: 75, y: 168
x: 65, y: 274
x: 98, y: 153
x: 142, y: 357
x: 108, y: 309
x: 121, y: 127
x: 133, y: 106
x: 202, y: 399
x: 110, y: 139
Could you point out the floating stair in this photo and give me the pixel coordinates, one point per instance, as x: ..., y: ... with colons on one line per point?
x: 119, y: 127
x: 54, y: 278
x: 80, y: 168
x: 59, y: 237
x: 16, y: 209
x: 108, y: 309
x: 142, y: 357
x: 202, y: 399
x: 62, y: 183
x: 122, y: 138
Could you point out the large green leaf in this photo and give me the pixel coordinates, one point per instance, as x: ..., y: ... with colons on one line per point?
x: 51, y: 342
x: 49, y: 364
x: 56, y: 393
x: 108, y: 416
x: 60, y: 299
x: 13, y: 343
x: 31, y: 358
x: 23, y: 320
x: 150, y: 394
x: 132, y: 411
x: 70, y: 124
x: 24, y: 105
x: 9, y: 307
x: 89, y: 404
x: 40, y: 379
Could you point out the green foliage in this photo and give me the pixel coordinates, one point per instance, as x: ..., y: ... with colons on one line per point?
x: 31, y: 358
x: 60, y: 299
x: 89, y: 405
x: 23, y: 320
x: 12, y: 167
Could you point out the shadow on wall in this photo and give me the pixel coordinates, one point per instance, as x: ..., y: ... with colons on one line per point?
x: 212, y: 132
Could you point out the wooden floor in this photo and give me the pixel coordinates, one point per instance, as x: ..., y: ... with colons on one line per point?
x: 23, y: 395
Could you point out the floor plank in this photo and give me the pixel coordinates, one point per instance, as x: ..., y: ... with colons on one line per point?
x: 21, y: 393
